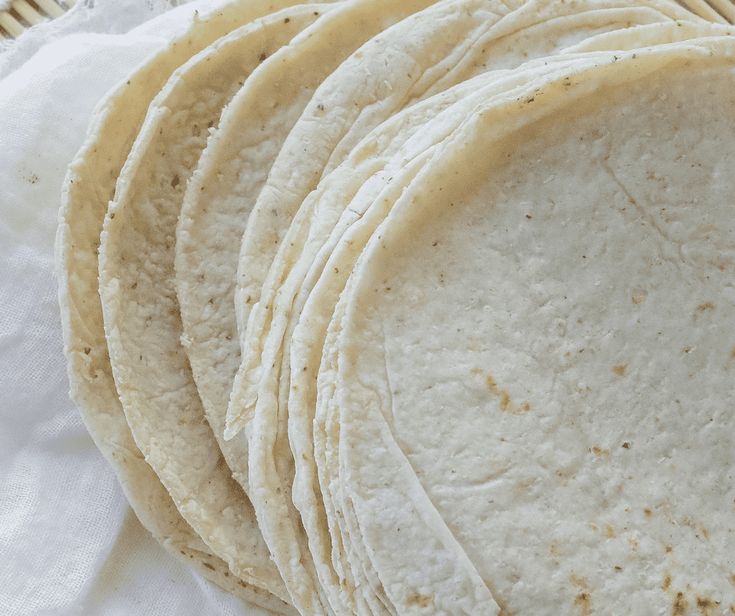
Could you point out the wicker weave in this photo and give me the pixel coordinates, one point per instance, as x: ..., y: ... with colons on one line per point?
x: 18, y: 15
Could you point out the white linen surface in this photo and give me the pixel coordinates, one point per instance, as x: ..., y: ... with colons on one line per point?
x: 69, y: 542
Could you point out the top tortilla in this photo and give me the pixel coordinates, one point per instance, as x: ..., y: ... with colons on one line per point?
x: 587, y: 363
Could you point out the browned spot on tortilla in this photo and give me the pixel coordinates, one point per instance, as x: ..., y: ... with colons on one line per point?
x: 666, y: 583
x: 626, y: 445
x: 554, y: 549
x: 584, y: 603
x: 647, y: 512
x: 705, y: 532
x: 704, y: 605
x: 600, y: 451
x: 680, y: 605
x: 578, y: 581
x: 705, y: 306
x: 638, y: 297
x: 633, y: 544
x: 619, y: 369
x: 732, y: 353
x: 492, y: 385
x: 668, y: 549
x: 609, y: 531
x: 506, y: 403
x: 208, y: 566
x: 420, y: 600
x: 732, y: 579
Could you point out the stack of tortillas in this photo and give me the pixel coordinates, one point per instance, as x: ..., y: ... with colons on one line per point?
x: 420, y: 307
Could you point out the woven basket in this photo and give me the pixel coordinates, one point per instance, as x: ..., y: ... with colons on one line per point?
x: 16, y: 16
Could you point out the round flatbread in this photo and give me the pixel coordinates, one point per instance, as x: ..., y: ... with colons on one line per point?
x: 566, y: 263
x: 324, y: 281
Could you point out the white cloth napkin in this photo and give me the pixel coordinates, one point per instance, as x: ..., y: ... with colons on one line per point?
x: 69, y: 543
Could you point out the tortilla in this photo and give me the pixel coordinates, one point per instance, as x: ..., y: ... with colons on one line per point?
x: 333, y: 263
x: 90, y: 179
x: 306, y: 337
x: 311, y: 328
x: 580, y: 359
